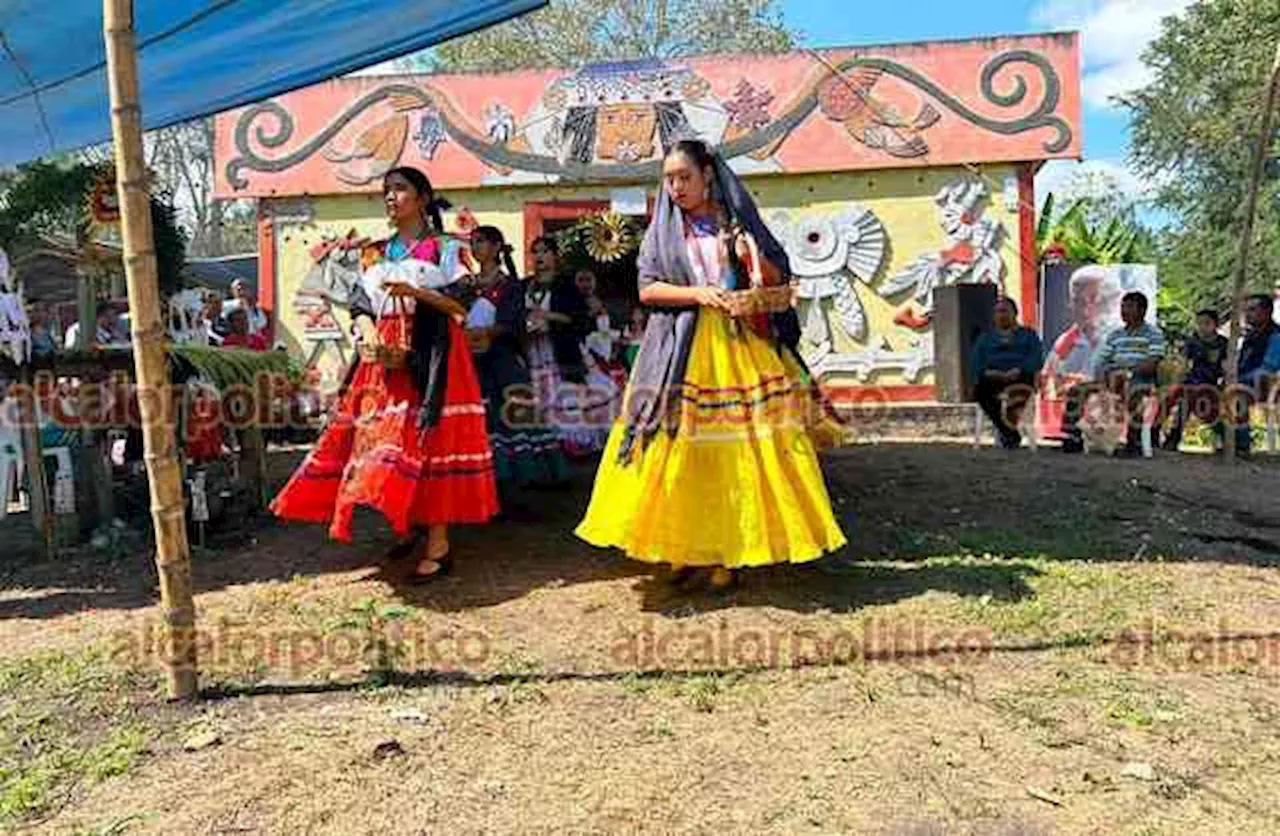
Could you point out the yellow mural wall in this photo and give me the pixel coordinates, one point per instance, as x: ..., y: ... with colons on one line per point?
x: 902, y: 200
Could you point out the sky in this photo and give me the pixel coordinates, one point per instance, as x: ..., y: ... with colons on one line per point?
x: 1113, y: 35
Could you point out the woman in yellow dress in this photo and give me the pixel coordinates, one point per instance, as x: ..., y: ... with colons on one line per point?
x: 713, y: 464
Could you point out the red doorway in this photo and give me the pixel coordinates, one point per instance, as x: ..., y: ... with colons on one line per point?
x: 616, y: 281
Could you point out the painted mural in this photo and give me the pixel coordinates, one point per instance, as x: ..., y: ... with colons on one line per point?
x: 848, y: 237
x: 334, y: 272
x: 835, y: 254
x: 831, y: 252
x: 887, y: 172
x: 838, y: 254
x: 971, y: 254
x: 1014, y: 99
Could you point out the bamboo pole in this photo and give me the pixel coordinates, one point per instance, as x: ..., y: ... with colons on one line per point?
x: 164, y: 474
x: 1246, y: 243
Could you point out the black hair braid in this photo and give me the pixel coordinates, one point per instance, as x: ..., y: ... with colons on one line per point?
x: 508, y: 262
x: 434, y: 207
x: 494, y: 236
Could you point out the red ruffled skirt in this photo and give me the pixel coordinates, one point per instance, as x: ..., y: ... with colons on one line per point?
x: 373, y: 454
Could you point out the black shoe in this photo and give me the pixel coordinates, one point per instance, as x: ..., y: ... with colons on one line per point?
x: 682, y: 577
x: 444, y: 565
x: 1012, y: 441
x: 403, y: 549
x: 1073, y: 445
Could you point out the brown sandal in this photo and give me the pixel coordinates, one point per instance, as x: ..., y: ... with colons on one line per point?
x: 722, y: 579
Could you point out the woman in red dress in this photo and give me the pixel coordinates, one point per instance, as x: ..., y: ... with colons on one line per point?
x: 407, y: 438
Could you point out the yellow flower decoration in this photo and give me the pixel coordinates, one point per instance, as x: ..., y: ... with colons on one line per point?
x: 609, y: 237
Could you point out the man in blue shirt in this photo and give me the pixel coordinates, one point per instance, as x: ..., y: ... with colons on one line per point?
x: 1005, y: 363
x: 1200, y: 392
x: 1127, y: 365
x: 1259, y: 363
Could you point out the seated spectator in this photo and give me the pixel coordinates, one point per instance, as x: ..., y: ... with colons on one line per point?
x: 107, y: 332
x: 1127, y: 365
x: 214, y: 323
x: 1201, y: 389
x: 239, y: 336
x: 244, y: 298
x: 1258, y: 366
x: 1006, y: 362
x: 42, y: 342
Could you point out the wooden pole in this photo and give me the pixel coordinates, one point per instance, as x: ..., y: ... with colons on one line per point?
x: 40, y: 496
x: 1246, y: 244
x: 164, y: 474
x: 86, y: 298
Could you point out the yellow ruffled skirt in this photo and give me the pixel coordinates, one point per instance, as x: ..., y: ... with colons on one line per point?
x: 739, y: 484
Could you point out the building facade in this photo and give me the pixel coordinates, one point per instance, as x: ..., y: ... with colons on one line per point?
x: 886, y: 171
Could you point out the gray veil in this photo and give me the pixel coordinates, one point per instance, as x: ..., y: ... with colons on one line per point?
x: 653, y: 397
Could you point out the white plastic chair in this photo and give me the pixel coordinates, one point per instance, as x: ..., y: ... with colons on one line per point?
x: 10, y: 459
x: 64, y: 480
x: 1269, y: 413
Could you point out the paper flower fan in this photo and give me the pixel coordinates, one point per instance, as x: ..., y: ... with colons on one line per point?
x: 609, y: 237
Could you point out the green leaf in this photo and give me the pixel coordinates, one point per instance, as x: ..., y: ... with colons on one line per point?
x: 1046, y: 222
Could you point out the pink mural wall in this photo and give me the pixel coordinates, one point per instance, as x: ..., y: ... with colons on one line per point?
x: 1012, y: 99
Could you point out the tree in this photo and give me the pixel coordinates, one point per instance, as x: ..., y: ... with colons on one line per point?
x: 576, y: 32
x: 183, y: 162
x: 181, y: 157
x: 44, y: 199
x: 1102, y: 196
x: 1193, y: 130
x: 1195, y: 274
x: 1088, y: 234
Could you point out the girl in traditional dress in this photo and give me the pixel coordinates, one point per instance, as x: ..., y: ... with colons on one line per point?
x: 713, y: 464
x: 408, y: 435
x: 526, y: 451
x: 606, y: 376
x: 558, y: 321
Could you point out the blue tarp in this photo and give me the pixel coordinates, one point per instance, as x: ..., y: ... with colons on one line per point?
x: 199, y: 58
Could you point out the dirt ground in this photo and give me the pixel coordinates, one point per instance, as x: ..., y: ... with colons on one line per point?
x: 1013, y: 643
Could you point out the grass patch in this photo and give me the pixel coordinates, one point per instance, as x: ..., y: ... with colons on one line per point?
x: 66, y: 720
x: 1076, y: 603
x: 702, y: 693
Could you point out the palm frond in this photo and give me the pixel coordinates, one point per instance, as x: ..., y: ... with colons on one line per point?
x: 1046, y: 221
x: 226, y: 367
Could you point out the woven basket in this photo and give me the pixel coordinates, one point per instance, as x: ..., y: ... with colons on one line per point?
x: 393, y: 356
x: 393, y: 351
x: 759, y: 300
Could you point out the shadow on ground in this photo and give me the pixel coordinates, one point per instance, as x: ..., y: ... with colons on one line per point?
x: 897, y: 503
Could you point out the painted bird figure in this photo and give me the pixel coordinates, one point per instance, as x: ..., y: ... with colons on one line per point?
x: 971, y: 253
x: 847, y: 98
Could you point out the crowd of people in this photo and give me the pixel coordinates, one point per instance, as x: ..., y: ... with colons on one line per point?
x: 471, y: 381
x: 1130, y: 367
x: 237, y: 322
